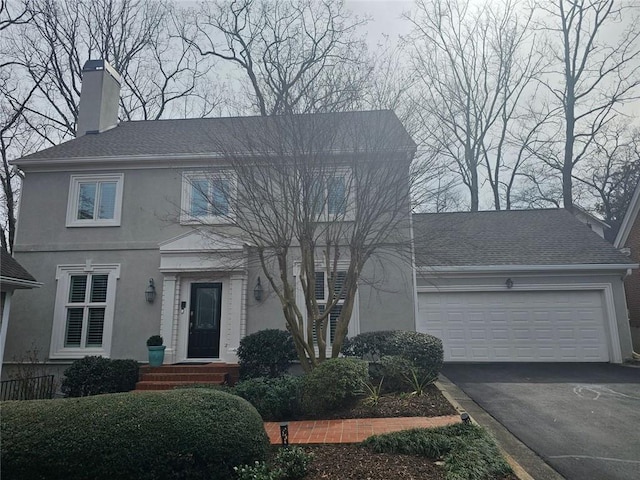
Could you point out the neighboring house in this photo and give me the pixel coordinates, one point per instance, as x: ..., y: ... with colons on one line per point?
x: 12, y: 277
x: 531, y: 285
x: 590, y: 220
x: 124, y: 211
x: 629, y: 238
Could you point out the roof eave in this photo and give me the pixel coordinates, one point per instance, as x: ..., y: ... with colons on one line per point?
x: 19, y: 282
x: 440, y: 269
x: 629, y: 219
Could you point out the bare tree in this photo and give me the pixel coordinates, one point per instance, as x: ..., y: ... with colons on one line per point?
x: 472, y: 67
x: 595, y: 47
x: 321, y: 196
x: 16, y: 13
x: 612, y: 173
x: 292, y: 56
x: 138, y: 37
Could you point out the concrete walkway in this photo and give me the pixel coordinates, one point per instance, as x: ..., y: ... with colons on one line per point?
x: 351, y: 430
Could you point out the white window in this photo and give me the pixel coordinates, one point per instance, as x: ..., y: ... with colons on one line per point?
x: 83, y: 316
x: 332, y: 197
x: 206, y: 197
x: 323, y: 298
x: 95, y: 200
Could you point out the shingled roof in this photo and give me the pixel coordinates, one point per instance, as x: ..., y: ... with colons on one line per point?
x: 345, y: 131
x: 11, y: 271
x: 514, y: 237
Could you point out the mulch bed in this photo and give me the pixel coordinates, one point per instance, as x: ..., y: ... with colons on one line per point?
x: 430, y: 404
x: 355, y: 462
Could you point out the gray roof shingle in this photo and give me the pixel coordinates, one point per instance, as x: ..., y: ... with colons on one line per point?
x: 10, y: 268
x: 332, y: 131
x: 514, y: 237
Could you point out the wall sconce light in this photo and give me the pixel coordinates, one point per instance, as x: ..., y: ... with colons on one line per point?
x: 284, y: 433
x: 257, y: 291
x: 509, y: 283
x: 150, y: 292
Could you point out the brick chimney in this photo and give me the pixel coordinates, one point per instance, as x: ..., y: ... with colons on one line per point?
x: 99, y: 98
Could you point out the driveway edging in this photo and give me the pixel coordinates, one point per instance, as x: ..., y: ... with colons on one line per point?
x: 526, y: 464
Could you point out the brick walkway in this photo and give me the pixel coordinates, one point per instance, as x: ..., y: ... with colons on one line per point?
x: 352, y: 430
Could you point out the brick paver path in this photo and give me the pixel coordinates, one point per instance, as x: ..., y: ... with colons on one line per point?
x: 352, y: 430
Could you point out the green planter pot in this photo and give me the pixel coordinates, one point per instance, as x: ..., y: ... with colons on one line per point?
x: 156, y: 355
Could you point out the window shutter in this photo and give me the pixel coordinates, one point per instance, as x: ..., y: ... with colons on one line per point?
x: 99, y: 288
x: 78, y: 288
x: 73, y: 333
x: 95, y: 327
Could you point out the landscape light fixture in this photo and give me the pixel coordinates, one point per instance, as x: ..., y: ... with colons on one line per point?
x: 257, y: 292
x: 284, y: 433
x: 466, y: 419
x: 150, y: 292
x: 509, y: 283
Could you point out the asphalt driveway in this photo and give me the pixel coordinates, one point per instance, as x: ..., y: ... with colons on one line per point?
x: 582, y: 419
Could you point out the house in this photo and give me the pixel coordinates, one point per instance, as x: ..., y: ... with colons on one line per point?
x: 590, y: 220
x: 531, y: 285
x: 628, y: 238
x: 12, y: 277
x: 125, y: 225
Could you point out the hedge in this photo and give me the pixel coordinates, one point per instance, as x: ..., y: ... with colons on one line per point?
x: 267, y: 353
x: 96, y: 375
x: 333, y: 384
x: 275, y: 399
x: 186, y: 434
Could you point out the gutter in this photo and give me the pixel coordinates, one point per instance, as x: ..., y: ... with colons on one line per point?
x: 19, y: 283
x: 525, y: 268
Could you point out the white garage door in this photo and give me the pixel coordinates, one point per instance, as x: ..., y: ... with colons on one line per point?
x: 562, y: 326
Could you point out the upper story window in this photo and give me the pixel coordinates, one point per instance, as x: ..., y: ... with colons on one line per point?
x: 206, y: 197
x: 95, y: 200
x: 331, y: 197
x: 83, y: 315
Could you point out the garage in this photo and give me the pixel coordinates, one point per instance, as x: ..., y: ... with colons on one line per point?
x: 540, y: 326
x: 520, y: 286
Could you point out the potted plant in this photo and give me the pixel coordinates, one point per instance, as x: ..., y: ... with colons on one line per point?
x: 156, y: 350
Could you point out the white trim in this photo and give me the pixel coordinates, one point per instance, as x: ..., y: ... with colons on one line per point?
x: 19, y: 283
x: 354, y: 322
x: 630, y: 217
x: 63, y: 273
x: 524, y: 268
x: 187, y: 188
x: 74, y: 193
x: 609, y: 304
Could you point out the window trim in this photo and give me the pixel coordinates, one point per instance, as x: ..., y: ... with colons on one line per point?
x: 74, y: 197
x: 350, y: 195
x: 187, y: 188
x: 63, y: 278
x: 354, y: 323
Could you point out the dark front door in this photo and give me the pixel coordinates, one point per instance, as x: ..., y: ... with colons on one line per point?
x: 204, y: 320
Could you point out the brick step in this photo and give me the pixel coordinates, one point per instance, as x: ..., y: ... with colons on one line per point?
x: 208, y: 377
x: 144, y: 385
x: 207, y: 368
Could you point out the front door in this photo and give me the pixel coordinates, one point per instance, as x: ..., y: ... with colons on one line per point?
x: 204, y: 320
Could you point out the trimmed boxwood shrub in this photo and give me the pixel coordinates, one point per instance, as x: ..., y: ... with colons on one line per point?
x: 96, y: 375
x: 424, y: 351
x: 275, y: 398
x: 186, y: 434
x: 333, y: 384
x: 369, y: 346
x: 267, y: 353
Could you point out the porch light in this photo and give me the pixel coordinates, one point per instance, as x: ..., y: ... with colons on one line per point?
x: 284, y: 433
x: 509, y: 283
x: 257, y: 291
x: 150, y: 292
